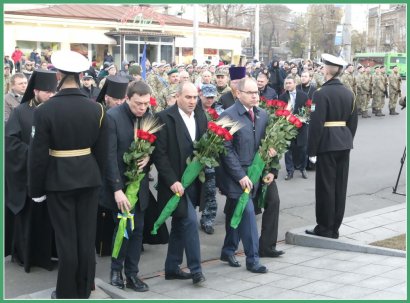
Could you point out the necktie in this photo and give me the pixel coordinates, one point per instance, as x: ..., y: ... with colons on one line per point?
x: 252, y: 115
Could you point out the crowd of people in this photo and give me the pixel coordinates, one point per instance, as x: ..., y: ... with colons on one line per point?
x: 69, y: 125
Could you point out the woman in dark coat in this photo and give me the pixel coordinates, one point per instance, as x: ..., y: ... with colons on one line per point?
x: 275, y: 79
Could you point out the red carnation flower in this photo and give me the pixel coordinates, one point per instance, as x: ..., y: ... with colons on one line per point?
x: 279, y: 112
x: 309, y: 103
x: 298, y: 123
x: 220, y: 131
x: 153, y: 101
x: 286, y: 113
x: 213, y: 113
x: 263, y: 99
x: 292, y: 119
x: 228, y: 136
x: 281, y: 104
x: 152, y: 138
x: 212, y: 126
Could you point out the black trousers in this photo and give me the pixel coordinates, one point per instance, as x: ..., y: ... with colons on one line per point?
x: 74, y: 215
x: 270, y: 219
x: 332, y: 170
x: 130, y: 252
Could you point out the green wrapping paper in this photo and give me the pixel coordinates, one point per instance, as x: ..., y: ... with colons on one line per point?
x: 132, y: 195
x: 190, y: 174
x: 254, y: 173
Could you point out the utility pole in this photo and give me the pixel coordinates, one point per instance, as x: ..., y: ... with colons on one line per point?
x: 378, y: 23
x: 347, y: 27
x: 195, y: 33
x: 256, y: 56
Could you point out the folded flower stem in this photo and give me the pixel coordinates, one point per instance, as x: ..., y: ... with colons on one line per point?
x: 254, y: 173
x: 190, y: 174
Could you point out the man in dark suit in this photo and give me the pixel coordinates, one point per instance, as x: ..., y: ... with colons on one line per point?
x: 184, y: 123
x: 122, y: 120
x: 33, y: 236
x: 232, y: 178
x: 332, y: 128
x: 296, y: 156
x: 66, y: 161
x: 235, y: 74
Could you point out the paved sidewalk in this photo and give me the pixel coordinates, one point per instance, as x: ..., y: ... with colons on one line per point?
x: 301, y: 273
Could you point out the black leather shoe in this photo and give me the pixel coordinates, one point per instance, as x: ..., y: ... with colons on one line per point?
x: 273, y: 253
x: 136, y: 284
x: 257, y: 268
x: 208, y: 229
x: 304, y: 174
x: 314, y: 233
x: 289, y: 176
x: 116, y: 279
x: 198, y: 278
x: 179, y: 275
x: 231, y: 260
x: 53, y: 294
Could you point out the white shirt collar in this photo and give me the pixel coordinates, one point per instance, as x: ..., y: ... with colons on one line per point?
x: 189, y: 123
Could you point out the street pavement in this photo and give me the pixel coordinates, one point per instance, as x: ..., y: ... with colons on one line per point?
x: 374, y: 167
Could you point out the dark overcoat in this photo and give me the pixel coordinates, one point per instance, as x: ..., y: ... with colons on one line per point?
x: 173, y: 148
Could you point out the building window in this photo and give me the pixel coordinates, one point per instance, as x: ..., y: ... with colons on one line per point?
x: 187, y: 51
x: 210, y: 51
x: 27, y: 47
x: 166, y: 53
x: 131, y: 52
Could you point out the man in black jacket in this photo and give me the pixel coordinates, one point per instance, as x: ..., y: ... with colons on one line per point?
x: 66, y: 162
x: 122, y: 121
x: 184, y: 123
x: 295, y: 157
x: 88, y: 86
x: 332, y: 128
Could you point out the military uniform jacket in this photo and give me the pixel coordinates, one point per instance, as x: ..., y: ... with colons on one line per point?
x: 220, y: 91
x: 379, y: 85
x: 348, y: 81
x: 333, y: 102
x: 364, y: 84
x: 394, y: 83
x: 67, y: 121
x: 17, y: 140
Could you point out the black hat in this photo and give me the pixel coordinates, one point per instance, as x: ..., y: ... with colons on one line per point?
x: 88, y: 75
x: 43, y: 80
x: 115, y: 87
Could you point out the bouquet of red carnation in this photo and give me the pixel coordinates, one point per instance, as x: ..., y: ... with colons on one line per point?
x: 206, y: 154
x: 212, y: 114
x: 140, y: 148
x: 304, y: 112
x: 282, y: 128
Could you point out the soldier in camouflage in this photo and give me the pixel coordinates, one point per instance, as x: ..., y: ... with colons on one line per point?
x: 386, y: 80
x: 210, y: 207
x: 318, y: 78
x: 348, y: 80
x: 379, y: 87
x: 173, y: 80
x: 394, y: 90
x: 364, y: 90
x: 155, y: 79
x: 222, y: 86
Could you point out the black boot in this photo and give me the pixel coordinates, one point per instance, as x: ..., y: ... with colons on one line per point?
x: 393, y: 112
x: 116, y: 279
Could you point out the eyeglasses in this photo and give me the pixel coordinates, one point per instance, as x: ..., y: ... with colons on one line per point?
x: 249, y: 93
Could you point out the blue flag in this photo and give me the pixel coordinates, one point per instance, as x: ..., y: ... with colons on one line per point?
x: 143, y: 60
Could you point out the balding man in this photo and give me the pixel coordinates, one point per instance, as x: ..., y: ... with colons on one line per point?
x: 184, y: 123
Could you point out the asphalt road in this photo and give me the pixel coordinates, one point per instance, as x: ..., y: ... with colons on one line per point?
x: 374, y: 167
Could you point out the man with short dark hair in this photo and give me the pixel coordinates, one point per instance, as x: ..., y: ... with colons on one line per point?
x: 18, y: 83
x: 184, y: 123
x: 122, y: 121
x: 264, y: 89
x: 88, y: 87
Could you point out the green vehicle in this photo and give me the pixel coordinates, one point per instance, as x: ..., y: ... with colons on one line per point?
x: 387, y: 59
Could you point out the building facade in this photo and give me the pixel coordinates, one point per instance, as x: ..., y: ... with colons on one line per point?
x: 121, y: 30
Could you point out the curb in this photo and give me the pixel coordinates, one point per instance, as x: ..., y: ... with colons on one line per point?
x: 298, y: 237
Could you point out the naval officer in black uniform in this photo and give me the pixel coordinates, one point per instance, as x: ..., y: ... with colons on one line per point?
x: 33, y: 236
x: 66, y: 159
x: 332, y: 128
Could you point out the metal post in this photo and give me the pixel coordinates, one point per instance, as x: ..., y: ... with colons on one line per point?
x: 195, y: 33
x: 347, y: 43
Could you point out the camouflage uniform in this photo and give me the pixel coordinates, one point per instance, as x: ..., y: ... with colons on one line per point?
x: 220, y: 91
x: 379, y: 87
x: 394, y: 91
x: 318, y: 79
x: 157, y: 84
x: 209, y: 212
x: 364, y: 91
x: 349, y: 81
x: 162, y: 97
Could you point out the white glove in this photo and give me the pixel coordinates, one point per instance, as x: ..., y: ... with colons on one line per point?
x: 312, y: 159
x: 39, y: 200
